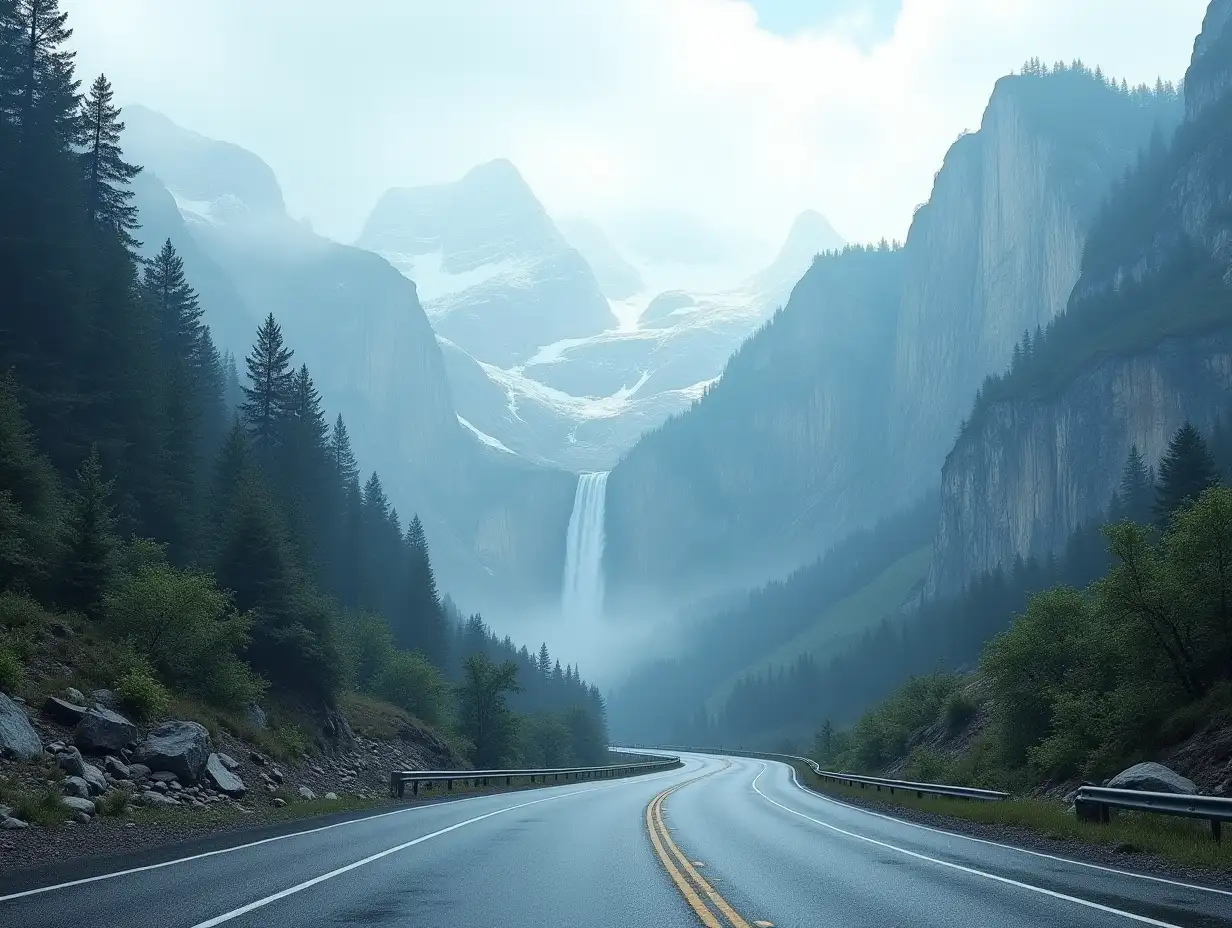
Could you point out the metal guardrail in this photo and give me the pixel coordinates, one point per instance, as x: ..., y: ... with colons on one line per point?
x: 399, y: 779
x: 1095, y: 803
x: 878, y: 783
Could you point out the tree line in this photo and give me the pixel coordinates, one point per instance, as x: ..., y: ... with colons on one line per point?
x: 216, y: 521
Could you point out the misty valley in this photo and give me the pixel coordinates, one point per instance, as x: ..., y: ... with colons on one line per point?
x: 366, y: 542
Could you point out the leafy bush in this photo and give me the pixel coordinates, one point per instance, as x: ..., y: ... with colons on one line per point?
x: 409, y: 680
x: 366, y: 646
x: 189, y: 631
x: 882, y: 735
x: 959, y: 710
x: 18, y: 612
x: 142, y: 693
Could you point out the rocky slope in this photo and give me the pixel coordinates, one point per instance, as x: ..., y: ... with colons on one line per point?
x: 496, y: 524
x: 841, y: 410
x: 1144, y: 344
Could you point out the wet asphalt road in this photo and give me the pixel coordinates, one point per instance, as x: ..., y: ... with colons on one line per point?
x: 580, y: 855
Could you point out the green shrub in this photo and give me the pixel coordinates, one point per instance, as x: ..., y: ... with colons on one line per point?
x: 20, y: 612
x: 959, y: 710
x: 141, y: 693
x: 188, y: 630
x: 409, y: 680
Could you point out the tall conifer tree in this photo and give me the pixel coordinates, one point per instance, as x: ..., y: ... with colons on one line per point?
x: 107, y: 174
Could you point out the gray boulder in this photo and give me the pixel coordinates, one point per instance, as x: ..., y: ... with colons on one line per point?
x: 165, y: 776
x: 74, y: 695
x: 305, y: 792
x: 78, y: 804
x: 71, y: 762
x: 102, y: 731
x: 222, y: 779
x: 12, y: 824
x: 228, y: 761
x: 76, y: 786
x: 18, y: 739
x: 105, y: 698
x: 331, y: 796
x: 256, y: 716
x: 151, y: 798
x: 139, y: 771
x: 62, y: 711
x: 117, y: 768
x: 1153, y: 778
x: 181, y: 748
x: 94, y: 776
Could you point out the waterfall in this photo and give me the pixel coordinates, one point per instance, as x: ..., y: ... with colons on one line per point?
x: 582, y: 597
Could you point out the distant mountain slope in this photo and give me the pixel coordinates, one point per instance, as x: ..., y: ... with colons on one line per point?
x: 619, y: 279
x: 843, y: 407
x: 496, y: 276
x: 497, y: 523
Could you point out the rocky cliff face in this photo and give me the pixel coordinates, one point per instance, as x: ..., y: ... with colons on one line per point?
x: 1144, y: 344
x: 842, y: 409
x: 1034, y: 470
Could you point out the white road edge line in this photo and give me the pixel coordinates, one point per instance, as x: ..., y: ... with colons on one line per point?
x: 299, y: 887
x: 1142, y: 919
x: 295, y: 834
x: 1197, y: 887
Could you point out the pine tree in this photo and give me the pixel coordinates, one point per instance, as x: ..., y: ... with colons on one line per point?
x: 1136, y: 495
x: 1185, y: 470
x: 545, y: 661
x: 89, y: 540
x: 107, y: 174
x: 177, y: 311
x: 266, y: 400
x: 423, y: 621
x: 38, y: 90
x: 346, y: 469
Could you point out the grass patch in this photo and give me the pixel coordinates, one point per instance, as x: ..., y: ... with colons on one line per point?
x: 114, y: 802
x: 40, y: 808
x: 1181, y: 841
x: 379, y: 720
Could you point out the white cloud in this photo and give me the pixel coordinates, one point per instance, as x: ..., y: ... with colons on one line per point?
x: 615, y: 109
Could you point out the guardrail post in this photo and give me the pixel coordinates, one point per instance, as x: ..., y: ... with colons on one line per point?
x: 414, y: 787
x: 449, y: 785
x: 1216, y: 830
x: 509, y: 781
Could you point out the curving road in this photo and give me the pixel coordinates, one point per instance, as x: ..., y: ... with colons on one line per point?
x: 722, y: 842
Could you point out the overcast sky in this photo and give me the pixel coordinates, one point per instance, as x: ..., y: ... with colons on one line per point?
x: 713, y: 121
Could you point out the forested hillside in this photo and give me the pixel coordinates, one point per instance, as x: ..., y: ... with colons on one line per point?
x: 199, y: 524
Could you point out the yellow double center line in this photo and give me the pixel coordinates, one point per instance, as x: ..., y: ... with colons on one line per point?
x: 698, y: 893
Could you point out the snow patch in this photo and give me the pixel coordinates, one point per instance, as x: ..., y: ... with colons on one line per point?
x: 433, y: 282
x: 486, y: 438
